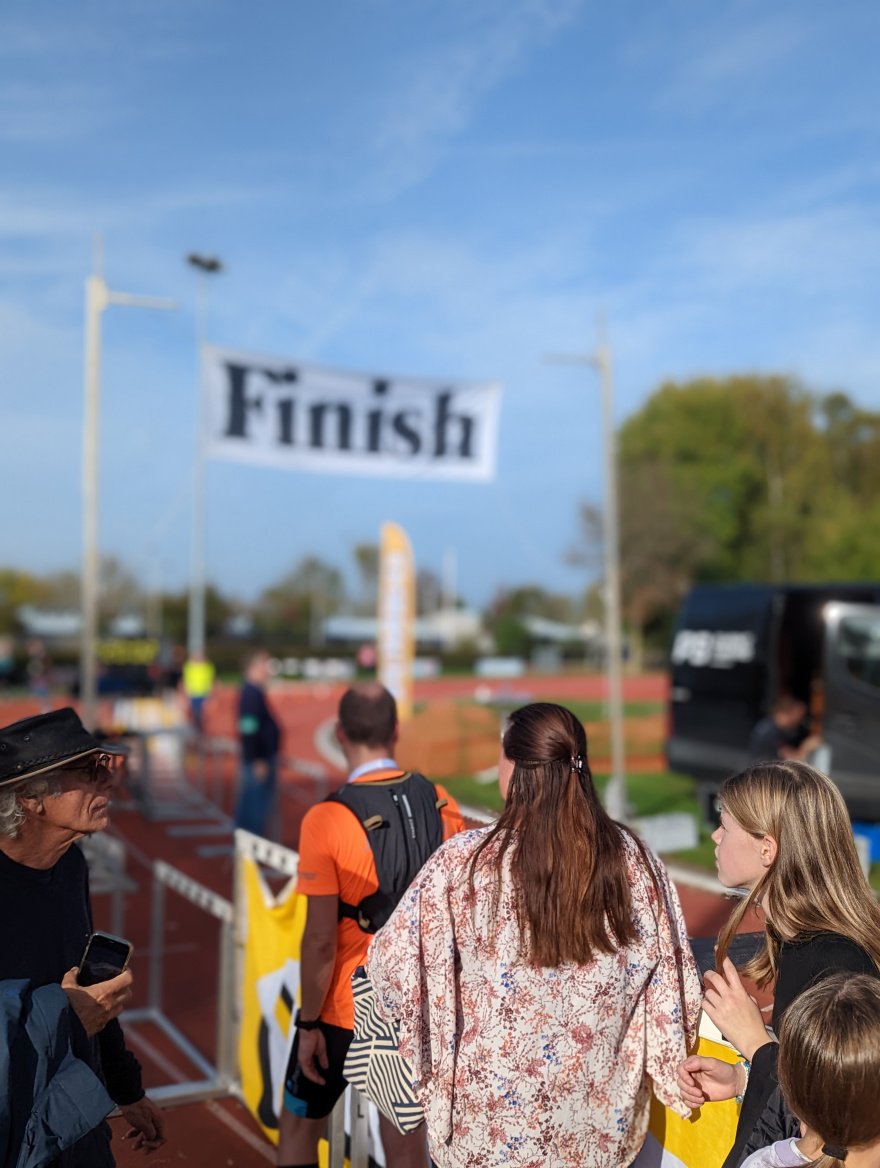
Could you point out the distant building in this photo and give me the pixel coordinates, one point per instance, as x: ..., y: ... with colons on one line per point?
x: 49, y: 623
x: 441, y: 630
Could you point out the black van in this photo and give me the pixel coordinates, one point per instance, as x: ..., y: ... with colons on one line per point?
x: 738, y: 646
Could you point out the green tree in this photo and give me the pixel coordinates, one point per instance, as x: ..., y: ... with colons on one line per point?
x: 294, y: 607
x: 746, y: 477
x: 504, y: 618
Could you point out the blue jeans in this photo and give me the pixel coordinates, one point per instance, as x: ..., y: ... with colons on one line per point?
x: 256, y: 799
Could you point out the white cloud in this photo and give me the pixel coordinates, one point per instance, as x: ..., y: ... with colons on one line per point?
x: 438, y: 90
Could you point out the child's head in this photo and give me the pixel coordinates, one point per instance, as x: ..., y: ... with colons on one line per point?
x: 814, y: 883
x: 829, y: 1063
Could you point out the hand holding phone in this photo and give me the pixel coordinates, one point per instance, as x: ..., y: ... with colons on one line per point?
x: 100, y: 985
x: 96, y: 1005
x: 105, y: 957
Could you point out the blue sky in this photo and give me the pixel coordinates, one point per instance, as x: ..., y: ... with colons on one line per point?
x: 434, y: 188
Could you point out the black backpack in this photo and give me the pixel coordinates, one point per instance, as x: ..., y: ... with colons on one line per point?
x: 401, y: 817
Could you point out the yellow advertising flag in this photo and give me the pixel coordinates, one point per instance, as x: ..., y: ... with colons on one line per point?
x: 270, y: 992
x: 397, y: 616
x: 702, y: 1141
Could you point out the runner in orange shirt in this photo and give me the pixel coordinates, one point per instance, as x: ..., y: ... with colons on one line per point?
x: 337, y: 872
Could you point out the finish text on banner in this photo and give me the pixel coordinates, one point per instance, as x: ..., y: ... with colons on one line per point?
x: 397, y: 615
x: 287, y: 414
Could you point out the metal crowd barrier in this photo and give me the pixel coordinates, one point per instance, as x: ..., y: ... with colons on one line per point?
x: 105, y: 856
x: 218, y: 1079
x: 159, y: 786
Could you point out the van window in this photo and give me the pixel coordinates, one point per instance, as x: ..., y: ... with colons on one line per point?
x: 860, y: 647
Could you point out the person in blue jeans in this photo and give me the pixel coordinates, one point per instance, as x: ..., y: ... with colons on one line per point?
x: 260, y: 738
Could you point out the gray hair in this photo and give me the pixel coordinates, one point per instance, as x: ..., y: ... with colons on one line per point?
x: 11, y: 811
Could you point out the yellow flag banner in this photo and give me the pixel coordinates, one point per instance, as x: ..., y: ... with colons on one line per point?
x: 702, y: 1141
x: 397, y: 616
x: 272, y: 933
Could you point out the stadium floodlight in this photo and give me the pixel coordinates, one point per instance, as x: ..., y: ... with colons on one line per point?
x: 207, y: 264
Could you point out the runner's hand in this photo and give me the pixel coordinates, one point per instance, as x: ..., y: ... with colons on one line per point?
x: 96, y: 1005
x: 312, y: 1054
x: 709, y: 1080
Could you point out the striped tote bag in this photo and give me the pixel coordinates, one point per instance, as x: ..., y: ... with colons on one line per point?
x: 374, y: 1064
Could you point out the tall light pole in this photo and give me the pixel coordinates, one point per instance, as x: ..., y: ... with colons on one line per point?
x: 206, y: 266
x: 615, y: 792
x: 98, y: 298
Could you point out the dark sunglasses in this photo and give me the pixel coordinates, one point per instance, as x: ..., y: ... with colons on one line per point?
x: 92, y: 769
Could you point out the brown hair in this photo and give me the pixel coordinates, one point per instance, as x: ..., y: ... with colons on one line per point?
x: 785, y: 702
x: 368, y: 714
x: 829, y: 1062
x: 815, y: 884
x: 568, y: 857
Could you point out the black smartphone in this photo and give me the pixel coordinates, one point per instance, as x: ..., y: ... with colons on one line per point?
x: 106, y: 956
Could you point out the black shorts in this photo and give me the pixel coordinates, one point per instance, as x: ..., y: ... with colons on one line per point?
x: 311, y: 1100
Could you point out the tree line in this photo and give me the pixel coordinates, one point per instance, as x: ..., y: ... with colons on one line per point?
x: 736, y: 478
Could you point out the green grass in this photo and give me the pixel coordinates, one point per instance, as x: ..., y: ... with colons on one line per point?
x: 598, y: 711
x: 466, y: 789
x: 648, y: 794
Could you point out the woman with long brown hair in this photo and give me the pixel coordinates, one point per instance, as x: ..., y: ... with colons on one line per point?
x: 785, y: 835
x: 540, y: 972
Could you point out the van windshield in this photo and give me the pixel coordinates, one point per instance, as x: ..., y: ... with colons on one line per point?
x: 860, y: 647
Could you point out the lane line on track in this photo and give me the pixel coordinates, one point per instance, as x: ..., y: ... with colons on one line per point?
x: 250, y: 1138
x: 155, y: 1055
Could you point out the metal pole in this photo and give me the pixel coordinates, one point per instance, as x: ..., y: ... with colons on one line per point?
x: 615, y: 792
x: 195, y: 629
x: 225, y: 1061
x: 96, y: 302
x: 157, y: 944
x: 98, y: 297
x: 336, y: 1135
x: 206, y: 266
x: 360, y: 1130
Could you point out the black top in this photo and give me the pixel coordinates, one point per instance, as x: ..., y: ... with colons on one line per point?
x: 802, y: 963
x: 260, y: 736
x: 45, y: 922
x: 767, y: 738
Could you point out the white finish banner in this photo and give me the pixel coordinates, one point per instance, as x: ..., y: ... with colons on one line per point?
x: 287, y: 414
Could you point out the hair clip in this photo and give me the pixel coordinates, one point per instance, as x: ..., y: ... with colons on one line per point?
x: 836, y: 1153
x: 577, y: 764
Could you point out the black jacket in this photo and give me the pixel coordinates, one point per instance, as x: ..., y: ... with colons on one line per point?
x: 45, y: 921
x: 764, y: 1117
x: 260, y: 736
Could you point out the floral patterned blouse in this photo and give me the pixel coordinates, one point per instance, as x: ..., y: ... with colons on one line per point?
x: 523, y: 1066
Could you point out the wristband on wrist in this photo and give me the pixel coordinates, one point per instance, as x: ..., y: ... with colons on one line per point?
x: 301, y: 1025
x: 747, y: 1066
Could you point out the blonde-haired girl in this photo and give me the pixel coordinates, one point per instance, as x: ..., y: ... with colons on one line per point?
x: 829, y: 1074
x: 785, y: 835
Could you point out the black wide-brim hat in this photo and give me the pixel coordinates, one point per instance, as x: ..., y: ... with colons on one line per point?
x: 44, y: 743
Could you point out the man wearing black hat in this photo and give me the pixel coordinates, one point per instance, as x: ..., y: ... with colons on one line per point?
x: 56, y: 780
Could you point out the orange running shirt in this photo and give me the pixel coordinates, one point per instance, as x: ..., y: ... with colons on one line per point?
x: 335, y: 859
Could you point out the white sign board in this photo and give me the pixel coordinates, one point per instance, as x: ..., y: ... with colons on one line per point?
x: 287, y: 414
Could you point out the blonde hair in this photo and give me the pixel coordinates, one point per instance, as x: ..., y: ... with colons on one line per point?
x: 815, y: 884
x: 829, y: 1062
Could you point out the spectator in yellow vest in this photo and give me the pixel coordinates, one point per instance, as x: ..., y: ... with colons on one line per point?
x: 198, y: 681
